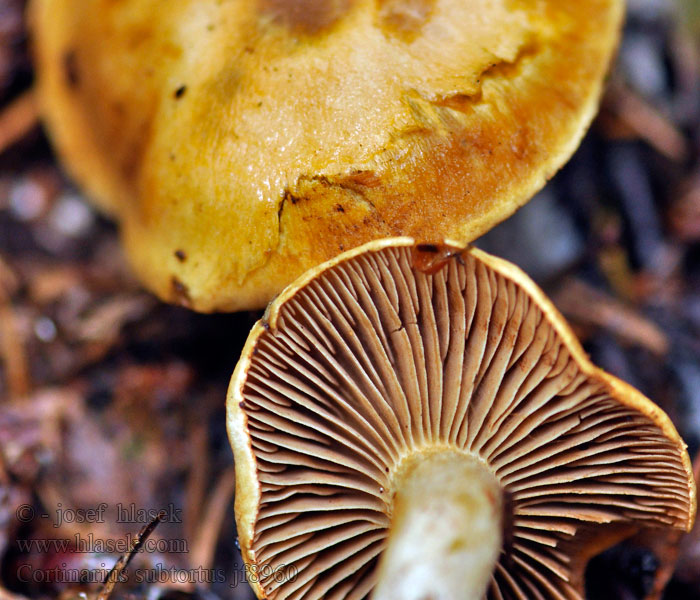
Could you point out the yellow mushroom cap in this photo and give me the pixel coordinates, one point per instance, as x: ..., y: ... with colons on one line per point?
x: 395, y: 351
x: 240, y: 143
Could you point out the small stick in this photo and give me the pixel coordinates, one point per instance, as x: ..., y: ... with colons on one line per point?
x: 197, y: 479
x: 12, y: 349
x: 18, y: 119
x: 124, y: 560
x: 585, y: 304
x: 645, y: 121
x: 204, y: 545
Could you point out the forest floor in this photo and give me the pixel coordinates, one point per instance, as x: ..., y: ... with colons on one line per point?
x: 110, y: 399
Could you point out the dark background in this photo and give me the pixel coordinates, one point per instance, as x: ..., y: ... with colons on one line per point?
x: 109, y: 396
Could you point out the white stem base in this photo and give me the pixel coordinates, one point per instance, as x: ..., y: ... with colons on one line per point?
x: 446, y: 530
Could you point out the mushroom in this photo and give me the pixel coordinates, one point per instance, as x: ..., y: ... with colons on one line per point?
x: 240, y: 143
x: 420, y: 421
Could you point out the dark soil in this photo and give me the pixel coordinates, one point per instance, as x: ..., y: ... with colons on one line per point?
x: 110, y: 398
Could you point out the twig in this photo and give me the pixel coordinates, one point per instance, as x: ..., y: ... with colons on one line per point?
x: 18, y: 119
x: 645, y: 121
x: 12, y: 350
x: 197, y: 479
x: 590, y: 306
x: 124, y: 560
x: 204, y: 544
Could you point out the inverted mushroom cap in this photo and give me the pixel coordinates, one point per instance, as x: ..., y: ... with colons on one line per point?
x: 240, y: 143
x: 395, y: 351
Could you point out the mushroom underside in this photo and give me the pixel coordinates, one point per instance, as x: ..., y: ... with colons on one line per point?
x: 396, y: 352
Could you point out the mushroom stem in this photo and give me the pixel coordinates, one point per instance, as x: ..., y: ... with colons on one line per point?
x: 446, y: 530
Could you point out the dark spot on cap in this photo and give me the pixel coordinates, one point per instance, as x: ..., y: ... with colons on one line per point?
x: 404, y: 18
x: 289, y: 196
x: 339, y: 208
x: 180, y: 92
x: 305, y: 16
x: 180, y: 293
x: 430, y: 258
x: 180, y: 255
x: 70, y: 68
